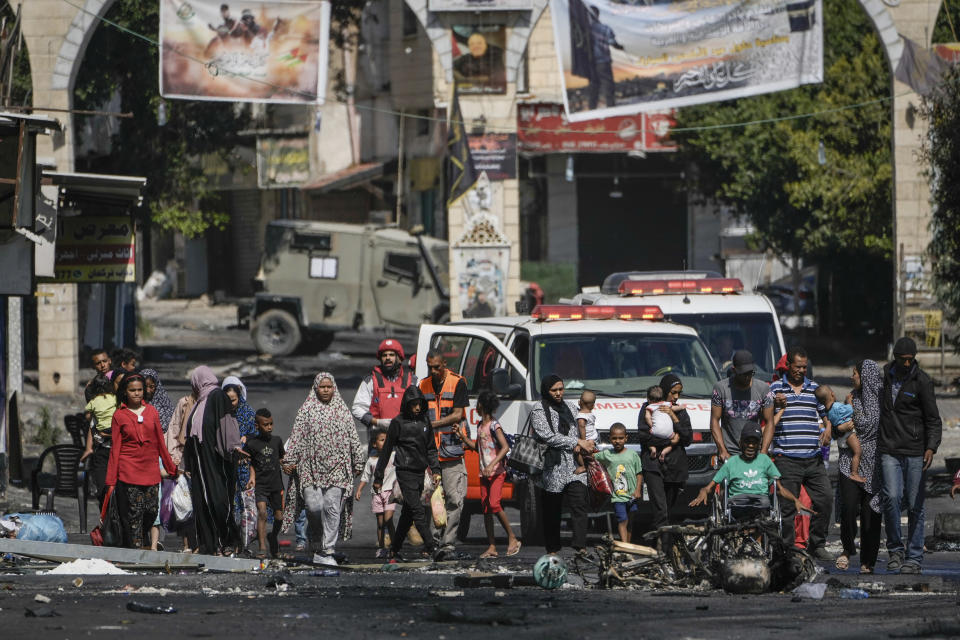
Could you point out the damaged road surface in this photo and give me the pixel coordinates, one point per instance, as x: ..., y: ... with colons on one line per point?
x: 425, y: 604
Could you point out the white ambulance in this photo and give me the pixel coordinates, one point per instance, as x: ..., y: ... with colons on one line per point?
x: 726, y: 318
x: 615, y: 351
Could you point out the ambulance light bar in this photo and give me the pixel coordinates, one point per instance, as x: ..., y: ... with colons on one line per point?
x: 585, y: 312
x: 704, y: 285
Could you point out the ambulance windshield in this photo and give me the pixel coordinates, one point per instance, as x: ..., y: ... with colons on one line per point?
x: 616, y: 364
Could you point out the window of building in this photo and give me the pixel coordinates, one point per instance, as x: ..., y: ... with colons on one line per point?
x: 409, y: 21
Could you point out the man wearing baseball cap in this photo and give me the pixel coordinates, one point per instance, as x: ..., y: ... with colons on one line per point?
x: 910, y: 429
x: 378, y: 399
x: 737, y: 400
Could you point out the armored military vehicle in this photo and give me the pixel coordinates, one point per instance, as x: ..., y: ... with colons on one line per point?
x: 317, y: 278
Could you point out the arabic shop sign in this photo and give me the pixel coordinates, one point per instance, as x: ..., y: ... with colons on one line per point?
x: 282, y: 162
x: 544, y: 128
x: 95, y: 249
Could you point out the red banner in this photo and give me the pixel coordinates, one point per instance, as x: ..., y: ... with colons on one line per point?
x: 544, y: 128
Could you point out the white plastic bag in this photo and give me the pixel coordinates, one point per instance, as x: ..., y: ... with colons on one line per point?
x: 248, y: 518
x: 182, y: 502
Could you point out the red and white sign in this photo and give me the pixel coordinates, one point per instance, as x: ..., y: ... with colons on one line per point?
x: 544, y: 128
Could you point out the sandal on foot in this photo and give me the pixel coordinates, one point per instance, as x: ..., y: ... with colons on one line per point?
x: 842, y: 563
x: 514, y: 550
x: 489, y: 554
x: 865, y: 570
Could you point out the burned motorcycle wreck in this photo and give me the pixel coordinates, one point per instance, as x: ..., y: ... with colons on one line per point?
x: 740, y: 557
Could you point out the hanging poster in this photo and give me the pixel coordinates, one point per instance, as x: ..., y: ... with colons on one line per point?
x: 619, y: 57
x: 479, y: 58
x: 482, y: 279
x: 480, y: 5
x: 495, y: 153
x: 272, y: 51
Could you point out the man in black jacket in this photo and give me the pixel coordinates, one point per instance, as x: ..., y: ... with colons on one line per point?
x: 411, y: 437
x: 909, y: 436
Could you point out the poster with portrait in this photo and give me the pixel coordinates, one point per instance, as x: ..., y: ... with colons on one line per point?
x: 480, y: 59
x: 482, y: 279
x: 620, y: 57
x: 272, y: 51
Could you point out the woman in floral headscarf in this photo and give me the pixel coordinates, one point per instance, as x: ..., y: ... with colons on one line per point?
x: 156, y: 395
x: 862, y: 499
x: 323, y: 456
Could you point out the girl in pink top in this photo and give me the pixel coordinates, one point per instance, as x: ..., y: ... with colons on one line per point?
x: 492, y: 448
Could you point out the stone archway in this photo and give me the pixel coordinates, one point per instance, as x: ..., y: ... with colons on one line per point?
x: 894, y: 20
x: 57, y: 34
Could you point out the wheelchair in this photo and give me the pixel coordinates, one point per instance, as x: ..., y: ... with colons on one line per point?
x: 751, y: 527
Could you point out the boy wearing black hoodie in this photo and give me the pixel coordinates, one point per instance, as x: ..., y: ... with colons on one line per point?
x: 411, y: 437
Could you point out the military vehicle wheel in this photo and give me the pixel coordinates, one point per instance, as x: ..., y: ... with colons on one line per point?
x: 276, y: 332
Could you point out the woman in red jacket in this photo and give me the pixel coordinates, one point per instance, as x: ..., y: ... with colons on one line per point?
x: 134, y: 472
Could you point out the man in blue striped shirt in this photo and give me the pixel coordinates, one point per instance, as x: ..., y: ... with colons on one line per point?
x: 801, y: 427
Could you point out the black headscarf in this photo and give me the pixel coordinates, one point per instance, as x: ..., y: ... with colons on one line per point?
x: 563, y: 411
x: 668, y: 382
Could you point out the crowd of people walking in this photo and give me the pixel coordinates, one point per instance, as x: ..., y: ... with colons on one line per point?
x: 142, y: 445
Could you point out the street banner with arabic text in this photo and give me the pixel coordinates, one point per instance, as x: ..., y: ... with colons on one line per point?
x: 270, y: 51
x: 620, y: 57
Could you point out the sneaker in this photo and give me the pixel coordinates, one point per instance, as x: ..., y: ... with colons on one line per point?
x: 910, y: 568
x: 301, y: 546
x: 820, y: 553
x: 396, y: 556
x: 895, y: 561
x: 440, y: 555
x: 381, y: 553
x: 327, y: 561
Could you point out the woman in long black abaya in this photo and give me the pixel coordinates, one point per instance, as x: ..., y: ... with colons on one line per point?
x: 213, y: 438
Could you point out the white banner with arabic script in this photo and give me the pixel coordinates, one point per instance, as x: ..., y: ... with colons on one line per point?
x: 620, y: 57
x: 272, y: 51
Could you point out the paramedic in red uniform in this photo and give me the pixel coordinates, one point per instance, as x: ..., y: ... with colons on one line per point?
x: 378, y: 399
x: 446, y: 396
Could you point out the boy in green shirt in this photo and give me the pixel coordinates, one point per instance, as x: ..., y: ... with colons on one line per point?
x: 624, y: 468
x: 748, y: 476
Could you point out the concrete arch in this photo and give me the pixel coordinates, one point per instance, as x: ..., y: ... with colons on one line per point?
x: 886, y: 29
x: 57, y: 35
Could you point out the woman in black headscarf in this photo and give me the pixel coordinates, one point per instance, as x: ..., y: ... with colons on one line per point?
x: 665, y: 480
x: 553, y: 423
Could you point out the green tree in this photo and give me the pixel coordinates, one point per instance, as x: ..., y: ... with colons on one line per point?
x: 941, y: 152
x: 179, y: 195
x: 817, y: 187
x: 13, y: 53
x: 177, y: 192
